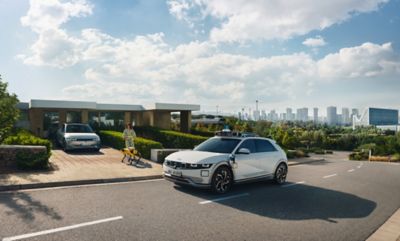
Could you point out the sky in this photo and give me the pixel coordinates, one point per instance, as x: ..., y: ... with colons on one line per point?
x: 225, y: 53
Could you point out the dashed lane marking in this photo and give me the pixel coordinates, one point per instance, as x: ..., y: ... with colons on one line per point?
x: 332, y: 175
x: 224, y: 198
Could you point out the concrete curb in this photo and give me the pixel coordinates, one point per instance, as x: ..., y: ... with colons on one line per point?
x: 75, y: 183
x: 389, y: 231
x: 306, y: 162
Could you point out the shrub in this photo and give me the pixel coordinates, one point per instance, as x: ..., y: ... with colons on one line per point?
x: 296, y: 154
x: 395, y: 157
x: 328, y: 152
x: 32, y: 161
x: 358, y: 156
x: 379, y: 159
x: 114, y: 139
x: 170, y: 139
x: 24, y: 137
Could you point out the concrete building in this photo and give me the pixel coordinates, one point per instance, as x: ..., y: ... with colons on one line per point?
x: 345, y: 117
x: 45, y: 116
x: 377, y: 117
x: 331, y: 115
x: 315, y: 115
x: 289, y: 114
x: 302, y: 114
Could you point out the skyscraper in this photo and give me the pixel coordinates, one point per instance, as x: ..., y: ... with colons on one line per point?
x: 289, y: 114
x: 331, y: 115
x: 302, y: 114
x: 345, y: 116
x: 315, y: 115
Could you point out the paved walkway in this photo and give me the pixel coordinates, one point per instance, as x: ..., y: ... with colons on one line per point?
x: 88, y: 166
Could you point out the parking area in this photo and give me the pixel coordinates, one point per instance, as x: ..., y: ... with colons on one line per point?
x: 84, y: 166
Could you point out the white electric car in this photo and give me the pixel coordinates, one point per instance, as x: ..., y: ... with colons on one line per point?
x: 220, y: 161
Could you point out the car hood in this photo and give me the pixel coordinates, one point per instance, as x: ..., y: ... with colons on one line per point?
x: 197, y: 157
x: 80, y: 135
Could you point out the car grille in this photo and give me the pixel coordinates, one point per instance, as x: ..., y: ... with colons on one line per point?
x: 175, y: 165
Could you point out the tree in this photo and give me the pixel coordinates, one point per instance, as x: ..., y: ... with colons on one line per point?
x: 8, y: 111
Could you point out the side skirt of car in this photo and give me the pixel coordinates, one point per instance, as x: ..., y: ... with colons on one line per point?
x: 254, y: 179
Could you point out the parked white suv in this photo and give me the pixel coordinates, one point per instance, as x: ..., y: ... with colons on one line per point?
x: 220, y: 161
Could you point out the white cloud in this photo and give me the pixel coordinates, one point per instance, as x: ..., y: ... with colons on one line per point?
x: 243, y: 20
x: 50, y: 14
x: 366, y: 60
x: 146, y: 68
x: 318, y: 41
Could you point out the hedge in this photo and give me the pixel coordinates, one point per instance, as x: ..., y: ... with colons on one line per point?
x: 114, y: 139
x: 27, y: 160
x: 24, y: 137
x: 171, y: 139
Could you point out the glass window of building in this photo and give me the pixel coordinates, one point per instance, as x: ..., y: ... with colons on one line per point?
x: 23, y: 115
x: 50, y: 123
x: 74, y: 117
x: 94, y: 120
x: 112, y: 120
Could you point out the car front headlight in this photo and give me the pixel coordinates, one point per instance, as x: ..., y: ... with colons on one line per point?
x: 198, y: 166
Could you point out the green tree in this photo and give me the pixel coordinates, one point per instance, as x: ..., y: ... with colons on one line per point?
x: 8, y: 111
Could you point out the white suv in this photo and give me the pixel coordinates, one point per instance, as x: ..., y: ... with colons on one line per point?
x: 221, y: 161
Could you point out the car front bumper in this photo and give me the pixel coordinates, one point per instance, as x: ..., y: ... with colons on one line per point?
x: 188, y: 177
x: 71, y: 145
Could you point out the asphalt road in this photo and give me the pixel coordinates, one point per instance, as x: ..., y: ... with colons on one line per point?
x: 331, y: 200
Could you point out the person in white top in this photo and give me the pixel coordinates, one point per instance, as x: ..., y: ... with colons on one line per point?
x: 129, y: 136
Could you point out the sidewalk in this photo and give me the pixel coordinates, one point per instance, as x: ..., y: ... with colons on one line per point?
x: 389, y: 231
x: 82, y: 168
x: 91, y: 168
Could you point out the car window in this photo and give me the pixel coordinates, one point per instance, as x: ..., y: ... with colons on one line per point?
x: 78, y: 129
x: 218, y: 145
x: 249, y: 144
x: 264, y: 146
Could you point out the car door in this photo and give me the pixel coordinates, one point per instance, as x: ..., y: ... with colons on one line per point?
x: 268, y: 155
x: 247, y: 165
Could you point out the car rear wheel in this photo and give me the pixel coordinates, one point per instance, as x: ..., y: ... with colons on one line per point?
x: 222, y: 180
x: 280, y: 174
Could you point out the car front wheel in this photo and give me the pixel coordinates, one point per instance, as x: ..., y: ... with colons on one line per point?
x: 222, y: 180
x: 281, y: 173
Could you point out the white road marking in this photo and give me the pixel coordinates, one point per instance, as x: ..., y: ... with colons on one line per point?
x: 293, y: 184
x: 55, y: 230
x: 351, y: 170
x: 224, y: 198
x: 332, y: 175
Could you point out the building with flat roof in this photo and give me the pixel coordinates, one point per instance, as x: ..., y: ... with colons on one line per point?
x: 44, y: 116
x: 377, y: 117
x: 331, y: 115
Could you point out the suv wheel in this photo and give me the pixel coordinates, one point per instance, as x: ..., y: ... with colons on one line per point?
x: 280, y: 174
x: 222, y: 180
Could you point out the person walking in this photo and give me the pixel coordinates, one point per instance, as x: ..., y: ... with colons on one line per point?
x: 129, y: 136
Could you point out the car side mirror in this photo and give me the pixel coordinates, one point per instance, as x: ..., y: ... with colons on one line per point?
x: 232, y: 158
x: 244, y: 151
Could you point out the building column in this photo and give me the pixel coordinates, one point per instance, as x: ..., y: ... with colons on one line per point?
x: 186, y: 121
x: 85, y: 116
x: 127, y: 118
x: 62, y: 117
x: 36, y: 120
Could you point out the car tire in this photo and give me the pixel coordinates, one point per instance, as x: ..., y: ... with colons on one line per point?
x: 222, y: 180
x: 64, y: 145
x: 280, y: 174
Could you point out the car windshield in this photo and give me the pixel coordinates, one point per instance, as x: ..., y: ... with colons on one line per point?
x: 78, y: 129
x: 219, y: 145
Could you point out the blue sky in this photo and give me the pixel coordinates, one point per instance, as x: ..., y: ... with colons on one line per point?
x: 223, y: 52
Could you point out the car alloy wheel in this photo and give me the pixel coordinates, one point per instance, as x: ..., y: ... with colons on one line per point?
x: 222, y: 180
x: 281, y: 173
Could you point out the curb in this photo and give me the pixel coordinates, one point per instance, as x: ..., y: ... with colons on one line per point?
x: 306, y: 162
x: 75, y: 183
x: 388, y: 231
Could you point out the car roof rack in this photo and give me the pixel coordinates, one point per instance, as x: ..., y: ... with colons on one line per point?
x: 229, y: 133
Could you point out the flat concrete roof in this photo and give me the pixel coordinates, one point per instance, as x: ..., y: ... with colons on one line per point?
x: 174, y: 107
x: 90, y: 105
